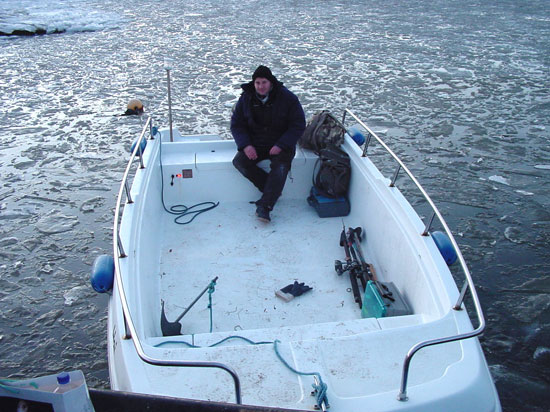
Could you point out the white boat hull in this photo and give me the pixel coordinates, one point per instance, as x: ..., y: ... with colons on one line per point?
x: 360, y: 360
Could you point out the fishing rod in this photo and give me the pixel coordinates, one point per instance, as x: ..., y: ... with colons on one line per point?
x: 351, y: 265
x: 361, y: 266
x: 354, y: 238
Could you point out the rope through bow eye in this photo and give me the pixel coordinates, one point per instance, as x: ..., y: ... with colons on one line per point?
x: 319, y: 387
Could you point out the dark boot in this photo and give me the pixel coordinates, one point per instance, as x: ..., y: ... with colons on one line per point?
x: 262, y: 212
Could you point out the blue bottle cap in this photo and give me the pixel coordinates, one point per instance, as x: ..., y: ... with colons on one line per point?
x: 63, y: 378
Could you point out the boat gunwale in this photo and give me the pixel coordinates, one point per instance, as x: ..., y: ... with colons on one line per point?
x: 130, y: 327
x: 468, y: 285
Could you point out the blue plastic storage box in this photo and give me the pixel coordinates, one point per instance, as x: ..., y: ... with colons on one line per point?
x: 327, y: 206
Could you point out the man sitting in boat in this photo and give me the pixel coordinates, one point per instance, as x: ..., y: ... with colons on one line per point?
x: 267, y: 122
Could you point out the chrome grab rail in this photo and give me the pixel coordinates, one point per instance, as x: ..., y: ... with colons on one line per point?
x: 469, y: 284
x: 118, y: 253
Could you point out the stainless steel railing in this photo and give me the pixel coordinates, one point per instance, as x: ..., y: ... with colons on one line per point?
x: 119, y: 253
x: 468, y: 284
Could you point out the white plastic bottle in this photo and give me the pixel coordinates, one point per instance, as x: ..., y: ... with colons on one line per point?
x: 64, y: 383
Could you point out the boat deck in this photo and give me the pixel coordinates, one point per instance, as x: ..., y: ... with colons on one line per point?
x: 248, y: 257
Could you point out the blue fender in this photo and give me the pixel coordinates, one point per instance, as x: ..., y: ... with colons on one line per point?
x: 143, y: 145
x: 445, y: 247
x: 357, y: 135
x: 103, y: 274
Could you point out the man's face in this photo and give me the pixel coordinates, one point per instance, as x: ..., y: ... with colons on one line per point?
x: 262, y: 86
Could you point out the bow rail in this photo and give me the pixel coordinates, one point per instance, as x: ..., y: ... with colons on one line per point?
x: 468, y: 284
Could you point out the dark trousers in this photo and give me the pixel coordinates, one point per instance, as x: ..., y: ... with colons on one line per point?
x: 270, y: 184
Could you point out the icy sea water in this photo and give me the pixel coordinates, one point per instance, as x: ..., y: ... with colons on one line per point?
x: 460, y: 90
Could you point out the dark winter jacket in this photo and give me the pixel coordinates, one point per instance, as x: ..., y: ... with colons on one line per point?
x: 280, y: 121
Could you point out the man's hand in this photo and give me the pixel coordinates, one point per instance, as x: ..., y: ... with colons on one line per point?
x: 275, y: 150
x: 250, y: 152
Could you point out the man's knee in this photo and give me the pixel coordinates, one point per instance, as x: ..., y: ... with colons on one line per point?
x: 240, y: 161
x: 281, y: 164
x: 285, y: 157
x: 280, y: 168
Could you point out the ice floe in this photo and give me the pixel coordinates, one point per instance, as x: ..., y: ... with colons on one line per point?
x: 91, y: 204
x: 524, y: 192
x: 76, y: 294
x: 55, y: 222
x: 499, y: 179
x: 541, y: 352
x: 27, y: 17
x: 514, y: 234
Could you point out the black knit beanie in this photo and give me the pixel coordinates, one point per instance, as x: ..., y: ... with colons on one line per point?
x: 265, y: 72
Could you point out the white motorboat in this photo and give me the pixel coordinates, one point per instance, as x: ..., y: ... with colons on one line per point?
x: 239, y: 342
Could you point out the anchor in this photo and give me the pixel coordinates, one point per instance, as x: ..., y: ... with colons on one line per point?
x: 174, y: 328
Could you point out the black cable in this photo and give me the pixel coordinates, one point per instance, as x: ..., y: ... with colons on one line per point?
x: 180, y: 210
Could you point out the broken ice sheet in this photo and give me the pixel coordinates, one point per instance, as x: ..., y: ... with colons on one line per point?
x: 56, y: 222
x: 76, y: 295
